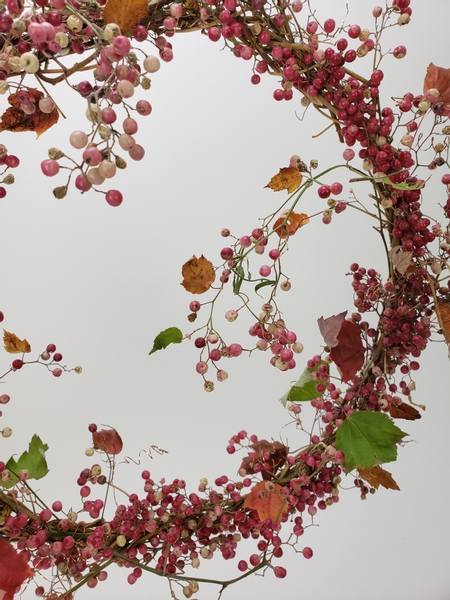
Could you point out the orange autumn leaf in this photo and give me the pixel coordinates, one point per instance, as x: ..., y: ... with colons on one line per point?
x: 14, y: 345
x: 443, y: 315
x: 438, y: 78
x: 265, y: 497
x: 107, y: 440
x: 294, y: 222
x: 198, y: 275
x: 125, y: 13
x: 14, y: 119
x: 404, y: 411
x: 14, y: 569
x: 377, y: 476
x: 289, y: 178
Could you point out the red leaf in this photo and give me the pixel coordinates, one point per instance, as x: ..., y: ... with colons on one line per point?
x: 14, y: 569
x: 330, y: 328
x: 438, y: 78
x: 267, y: 500
x: 273, y: 454
x: 107, y: 440
x: 348, y: 355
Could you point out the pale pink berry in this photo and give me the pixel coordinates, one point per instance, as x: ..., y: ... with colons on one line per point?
x: 201, y: 367
x: 126, y: 141
x: 94, y: 177
x: 285, y: 286
x: 46, y: 105
x: 125, y: 88
x: 221, y: 375
x: 107, y: 169
x: 348, y: 154
x: 231, y: 315
x: 151, y: 63
x: 78, y: 139
x: 297, y: 6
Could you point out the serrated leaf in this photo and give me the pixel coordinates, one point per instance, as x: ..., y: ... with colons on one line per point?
x: 198, y: 275
x: 368, y: 438
x: 264, y: 283
x: 125, y: 13
x: 171, y: 335
x: 377, y: 476
x: 33, y: 460
x: 288, y: 178
x: 305, y: 388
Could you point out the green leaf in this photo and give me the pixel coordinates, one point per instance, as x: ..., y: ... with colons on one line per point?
x: 368, y: 438
x: 264, y: 283
x: 32, y: 459
x: 172, y: 335
x: 305, y: 388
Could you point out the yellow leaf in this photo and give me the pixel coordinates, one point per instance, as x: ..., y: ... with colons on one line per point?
x: 13, y: 345
x: 198, y: 274
x: 125, y: 13
x: 377, y: 476
x: 294, y: 222
x: 289, y: 178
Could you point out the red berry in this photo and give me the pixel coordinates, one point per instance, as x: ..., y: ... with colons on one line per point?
x: 199, y: 342
x: 324, y: 191
x: 280, y: 572
x: 17, y: 364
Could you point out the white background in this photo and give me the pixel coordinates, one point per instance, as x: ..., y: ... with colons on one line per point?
x: 101, y: 282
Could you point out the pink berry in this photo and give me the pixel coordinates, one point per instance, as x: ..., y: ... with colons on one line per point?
x: 399, y: 51
x: 114, y: 197
x: 329, y: 25
x: 143, y: 107
x: 136, y: 152
x: 194, y: 306
x: 201, y: 367
x: 280, y: 572
x: 324, y: 191
x: 348, y: 154
x: 109, y: 116
x: 12, y: 161
x: 264, y: 271
x: 121, y: 45
x: 235, y: 350
x: 274, y: 254
x: 57, y: 372
x: 50, y: 167
x: 130, y: 126
x: 4, y: 399
x: 222, y: 375
x: 57, y: 506
x: 354, y: 31
x: 214, y: 34
x: 307, y: 552
x: 336, y: 188
x: 51, y: 348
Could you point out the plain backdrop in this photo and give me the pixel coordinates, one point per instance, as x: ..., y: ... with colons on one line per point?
x: 101, y: 282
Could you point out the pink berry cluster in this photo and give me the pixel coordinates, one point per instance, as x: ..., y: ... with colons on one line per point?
x: 169, y: 529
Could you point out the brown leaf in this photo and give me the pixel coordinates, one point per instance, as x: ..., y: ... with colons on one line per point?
x: 438, y: 78
x: 294, y: 222
x: 125, y: 13
x: 377, y: 476
x: 198, y: 274
x: 348, y: 355
x: 443, y: 315
x: 330, y: 328
x: 289, y: 178
x: 14, y: 119
x: 400, y: 259
x: 265, y: 497
x: 405, y: 411
x: 14, y: 345
x: 264, y: 452
x: 107, y: 440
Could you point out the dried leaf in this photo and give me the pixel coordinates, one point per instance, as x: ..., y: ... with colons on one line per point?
x: 198, y: 274
x: 404, y: 411
x: 265, y: 497
x: 438, y: 78
x: 14, y: 119
x: 14, y: 345
x: 443, y: 315
x: 377, y: 476
x: 348, y: 355
x: 294, y: 222
x: 107, y: 440
x: 264, y: 452
x: 14, y: 569
x: 289, y: 178
x: 125, y: 13
x: 400, y: 259
x: 330, y: 328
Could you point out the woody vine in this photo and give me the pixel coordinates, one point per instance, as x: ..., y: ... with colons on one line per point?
x: 359, y: 384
